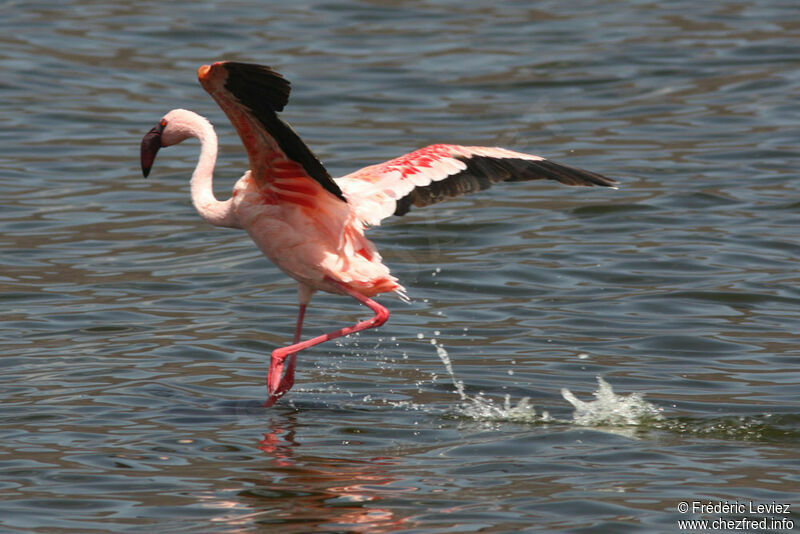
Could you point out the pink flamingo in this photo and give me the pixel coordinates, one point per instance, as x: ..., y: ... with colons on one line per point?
x: 309, y: 224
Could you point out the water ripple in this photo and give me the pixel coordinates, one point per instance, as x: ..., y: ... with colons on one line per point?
x: 135, y: 338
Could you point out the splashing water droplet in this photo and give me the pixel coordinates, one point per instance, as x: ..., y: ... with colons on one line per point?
x: 481, y: 408
x: 459, y: 385
x: 611, y: 409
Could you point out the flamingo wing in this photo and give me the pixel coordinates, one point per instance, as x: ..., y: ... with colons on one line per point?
x: 438, y: 172
x: 251, y: 95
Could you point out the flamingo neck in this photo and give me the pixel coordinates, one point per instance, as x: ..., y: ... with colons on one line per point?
x: 216, y: 212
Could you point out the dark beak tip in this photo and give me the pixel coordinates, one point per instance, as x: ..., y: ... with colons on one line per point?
x: 151, y: 142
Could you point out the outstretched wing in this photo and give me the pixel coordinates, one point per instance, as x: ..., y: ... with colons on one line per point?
x: 439, y: 172
x: 251, y: 95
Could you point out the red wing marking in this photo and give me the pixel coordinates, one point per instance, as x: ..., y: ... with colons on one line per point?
x: 296, y: 187
x: 439, y: 172
x: 302, y: 200
x: 415, y: 162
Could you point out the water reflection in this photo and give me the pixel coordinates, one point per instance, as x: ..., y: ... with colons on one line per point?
x: 314, y: 491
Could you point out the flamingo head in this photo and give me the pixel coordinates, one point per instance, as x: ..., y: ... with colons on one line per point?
x: 170, y: 130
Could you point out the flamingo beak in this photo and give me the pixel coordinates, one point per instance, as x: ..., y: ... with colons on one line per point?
x: 151, y: 142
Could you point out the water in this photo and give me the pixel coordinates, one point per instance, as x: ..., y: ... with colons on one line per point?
x: 135, y: 338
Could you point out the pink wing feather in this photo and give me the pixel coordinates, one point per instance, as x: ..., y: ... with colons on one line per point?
x: 439, y: 172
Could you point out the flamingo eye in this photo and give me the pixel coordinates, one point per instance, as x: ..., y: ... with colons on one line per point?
x: 163, y: 122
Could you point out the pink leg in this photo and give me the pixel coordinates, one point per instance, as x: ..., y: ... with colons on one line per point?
x: 288, y: 378
x: 277, y: 386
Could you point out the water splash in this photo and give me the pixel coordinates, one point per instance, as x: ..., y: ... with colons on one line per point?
x: 609, y: 409
x: 481, y: 408
x: 625, y: 415
x: 448, y: 365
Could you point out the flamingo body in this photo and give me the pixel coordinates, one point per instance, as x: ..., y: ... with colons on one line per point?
x: 307, y: 223
x: 312, y: 236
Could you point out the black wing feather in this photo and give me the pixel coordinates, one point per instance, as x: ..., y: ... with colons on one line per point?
x: 265, y: 92
x: 483, y: 171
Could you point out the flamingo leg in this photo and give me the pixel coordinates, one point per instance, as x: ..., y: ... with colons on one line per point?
x: 278, y: 385
x: 288, y: 378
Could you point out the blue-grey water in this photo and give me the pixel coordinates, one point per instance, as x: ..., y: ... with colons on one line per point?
x: 135, y: 338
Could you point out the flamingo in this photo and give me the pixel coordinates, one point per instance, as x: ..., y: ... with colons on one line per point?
x: 307, y: 223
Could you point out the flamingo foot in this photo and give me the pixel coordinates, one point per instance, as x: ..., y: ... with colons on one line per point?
x: 278, y: 382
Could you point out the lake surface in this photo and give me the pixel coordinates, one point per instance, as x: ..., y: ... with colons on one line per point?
x: 135, y: 338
